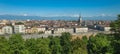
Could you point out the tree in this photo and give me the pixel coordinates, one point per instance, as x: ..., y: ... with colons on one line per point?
x: 55, y: 45
x: 98, y: 45
x: 4, y: 45
x: 42, y: 45
x: 65, y: 41
x: 30, y: 44
x: 116, y: 28
x: 17, y: 45
x: 79, y: 46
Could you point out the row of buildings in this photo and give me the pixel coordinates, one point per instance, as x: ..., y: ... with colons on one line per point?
x: 11, y: 29
x: 21, y: 28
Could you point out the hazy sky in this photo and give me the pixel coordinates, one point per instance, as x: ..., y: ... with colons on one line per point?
x: 60, y: 7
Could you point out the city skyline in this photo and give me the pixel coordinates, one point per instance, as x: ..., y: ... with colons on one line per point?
x: 87, y: 8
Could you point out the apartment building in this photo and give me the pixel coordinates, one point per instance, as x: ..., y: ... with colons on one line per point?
x: 7, y: 30
x: 19, y: 29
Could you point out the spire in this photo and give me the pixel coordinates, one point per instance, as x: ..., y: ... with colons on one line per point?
x: 80, y: 20
x: 80, y: 15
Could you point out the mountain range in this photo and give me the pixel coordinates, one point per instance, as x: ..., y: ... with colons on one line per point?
x: 19, y: 17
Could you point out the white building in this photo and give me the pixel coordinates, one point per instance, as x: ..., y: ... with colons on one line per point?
x: 48, y: 32
x: 107, y: 28
x: 19, y: 29
x: 7, y: 30
x: 70, y: 30
x: 59, y: 30
x: 81, y: 29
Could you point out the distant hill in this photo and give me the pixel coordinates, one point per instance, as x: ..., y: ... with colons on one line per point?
x: 16, y: 17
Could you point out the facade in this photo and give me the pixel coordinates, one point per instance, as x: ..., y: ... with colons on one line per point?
x: 2, y: 23
x: 1, y: 31
x: 48, y: 32
x: 19, y: 29
x: 104, y: 28
x: 7, y: 30
x: 70, y: 30
x: 59, y: 30
x: 28, y: 31
x: 81, y: 29
x: 107, y: 28
x: 34, y: 30
x: 41, y: 29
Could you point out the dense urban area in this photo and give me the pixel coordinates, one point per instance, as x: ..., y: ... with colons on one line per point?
x: 53, y: 26
x: 100, y: 43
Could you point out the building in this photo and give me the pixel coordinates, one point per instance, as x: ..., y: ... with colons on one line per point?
x: 1, y: 31
x: 19, y: 29
x: 48, y: 32
x: 34, y: 30
x: 70, y: 30
x: 4, y: 22
x: 107, y: 28
x: 104, y: 28
x: 80, y: 29
x: 31, y: 30
x: 80, y: 20
x: 28, y: 31
x: 41, y: 29
x: 59, y: 30
x: 7, y: 30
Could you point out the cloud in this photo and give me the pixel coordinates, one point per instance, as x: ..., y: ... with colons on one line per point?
x: 25, y: 14
x: 103, y: 14
x: 75, y: 15
x: 63, y: 15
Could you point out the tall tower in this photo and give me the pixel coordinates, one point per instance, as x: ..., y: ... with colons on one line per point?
x: 80, y: 20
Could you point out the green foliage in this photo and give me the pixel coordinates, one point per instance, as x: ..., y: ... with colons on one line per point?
x: 17, y: 46
x: 65, y: 41
x: 38, y: 46
x: 79, y: 46
x: 42, y: 46
x: 116, y: 45
x: 116, y: 25
x: 99, y: 44
x: 19, y: 23
x: 116, y: 41
x: 30, y: 44
x: 55, y: 45
x: 3, y: 46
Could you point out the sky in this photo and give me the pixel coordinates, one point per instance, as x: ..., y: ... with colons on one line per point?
x: 86, y: 8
